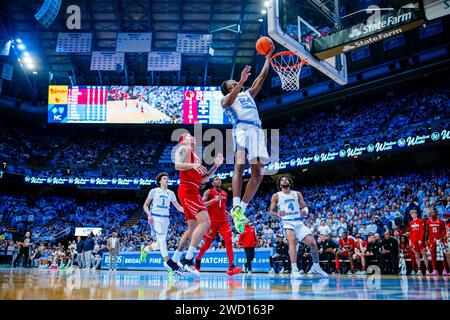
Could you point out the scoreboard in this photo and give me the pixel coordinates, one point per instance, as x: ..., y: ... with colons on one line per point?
x: 135, y: 104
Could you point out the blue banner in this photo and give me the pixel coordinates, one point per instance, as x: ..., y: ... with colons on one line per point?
x: 360, y: 54
x: 431, y: 29
x: 211, y: 261
x: 394, y: 42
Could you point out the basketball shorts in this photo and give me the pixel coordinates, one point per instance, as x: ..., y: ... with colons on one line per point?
x: 416, y: 247
x: 160, y: 225
x: 301, y: 231
x: 191, y: 201
x: 221, y: 226
x: 253, y: 140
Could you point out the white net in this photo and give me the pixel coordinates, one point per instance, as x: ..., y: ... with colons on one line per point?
x: 288, y: 65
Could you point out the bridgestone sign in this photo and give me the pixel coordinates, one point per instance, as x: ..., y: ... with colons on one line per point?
x: 363, y: 34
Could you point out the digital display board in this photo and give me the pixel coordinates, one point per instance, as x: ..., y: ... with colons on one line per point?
x: 135, y: 104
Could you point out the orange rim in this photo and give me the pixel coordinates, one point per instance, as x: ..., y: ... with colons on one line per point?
x: 286, y: 53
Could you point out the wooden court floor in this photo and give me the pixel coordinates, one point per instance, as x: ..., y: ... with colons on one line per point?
x: 37, y: 284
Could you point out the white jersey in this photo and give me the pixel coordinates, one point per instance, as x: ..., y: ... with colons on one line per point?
x: 243, y: 110
x: 161, y: 200
x: 290, y: 204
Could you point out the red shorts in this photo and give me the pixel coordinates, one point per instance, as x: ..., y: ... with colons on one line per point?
x: 416, y: 247
x: 221, y: 226
x: 432, y: 244
x: 191, y: 201
x: 345, y: 254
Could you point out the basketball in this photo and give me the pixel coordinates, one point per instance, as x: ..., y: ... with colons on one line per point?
x: 264, y: 45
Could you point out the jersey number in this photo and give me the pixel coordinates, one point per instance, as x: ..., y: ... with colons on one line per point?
x: 434, y: 230
x: 163, y: 202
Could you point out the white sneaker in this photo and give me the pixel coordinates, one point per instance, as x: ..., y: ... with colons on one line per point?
x: 249, y: 272
x: 270, y: 271
x: 296, y: 275
x: 180, y: 265
x: 302, y: 271
x: 316, y: 269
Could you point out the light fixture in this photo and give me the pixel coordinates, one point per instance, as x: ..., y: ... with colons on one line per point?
x: 266, y: 3
x: 34, y: 72
x: 26, y: 54
x: 21, y: 46
x: 18, y: 40
x: 30, y: 66
x: 28, y: 60
x: 260, y: 20
x: 263, y: 11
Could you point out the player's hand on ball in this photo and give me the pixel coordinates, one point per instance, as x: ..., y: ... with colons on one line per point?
x: 218, y: 160
x: 272, y: 49
x: 245, y: 74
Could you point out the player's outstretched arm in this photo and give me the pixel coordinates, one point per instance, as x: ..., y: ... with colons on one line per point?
x: 231, y: 97
x: 259, y: 81
x: 217, y: 163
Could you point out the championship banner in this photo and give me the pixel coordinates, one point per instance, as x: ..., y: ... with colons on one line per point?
x: 392, y: 24
x: 436, y: 8
x: 164, y: 61
x: 106, y: 60
x: 134, y: 42
x: 5, y: 46
x: 191, y: 43
x: 7, y: 71
x: 74, y: 42
x: 211, y: 261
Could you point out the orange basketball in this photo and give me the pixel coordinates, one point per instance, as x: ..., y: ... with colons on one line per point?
x: 264, y: 45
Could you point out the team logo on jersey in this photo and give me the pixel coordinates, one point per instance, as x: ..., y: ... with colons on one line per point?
x: 401, y: 142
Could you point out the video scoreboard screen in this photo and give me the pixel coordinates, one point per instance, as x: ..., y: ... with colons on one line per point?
x: 135, y: 104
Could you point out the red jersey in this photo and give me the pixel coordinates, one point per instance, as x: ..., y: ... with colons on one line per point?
x: 360, y: 246
x: 248, y: 238
x: 447, y: 225
x: 217, y: 209
x: 405, y: 248
x: 417, y: 230
x: 347, y: 243
x: 191, y: 177
x: 436, y: 229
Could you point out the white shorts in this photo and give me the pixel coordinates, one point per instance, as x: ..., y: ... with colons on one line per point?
x: 160, y: 225
x: 253, y: 140
x: 301, y: 231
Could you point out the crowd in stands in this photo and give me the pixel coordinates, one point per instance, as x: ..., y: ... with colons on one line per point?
x: 356, y: 125
x: 364, y: 208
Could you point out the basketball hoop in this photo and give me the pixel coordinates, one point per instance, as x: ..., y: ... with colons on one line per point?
x: 288, y: 65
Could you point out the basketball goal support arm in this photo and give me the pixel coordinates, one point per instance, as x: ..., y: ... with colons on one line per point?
x: 288, y: 42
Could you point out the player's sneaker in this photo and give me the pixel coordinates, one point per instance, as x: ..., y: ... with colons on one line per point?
x: 174, y: 267
x: 188, y: 265
x: 444, y: 273
x: 143, y: 257
x: 296, y: 275
x: 239, y: 218
x: 198, y: 264
x: 435, y: 273
x: 271, y: 271
x: 412, y: 273
x: 419, y: 273
x: 427, y: 272
x: 316, y: 269
x: 233, y: 270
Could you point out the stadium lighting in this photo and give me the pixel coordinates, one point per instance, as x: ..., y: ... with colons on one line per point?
x: 28, y: 60
x: 30, y: 66
x: 266, y: 3
x: 263, y: 11
x: 34, y: 72
x: 18, y: 40
x: 26, y: 54
x: 21, y: 46
x: 260, y: 20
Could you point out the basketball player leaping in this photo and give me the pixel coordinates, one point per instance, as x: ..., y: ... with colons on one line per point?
x: 240, y: 106
x: 192, y: 175
x: 216, y: 200
x: 158, y: 215
x: 286, y: 204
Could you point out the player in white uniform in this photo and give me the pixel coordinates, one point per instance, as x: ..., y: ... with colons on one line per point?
x: 286, y: 204
x: 248, y: 136
x: 158, y: 215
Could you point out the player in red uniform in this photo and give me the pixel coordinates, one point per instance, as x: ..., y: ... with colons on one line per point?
x: 215, y: 200
x: 360, y: 252
x: 192, y: 175
x: 346, y: 251
x: 436, y: 231
x: 416, y: 233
